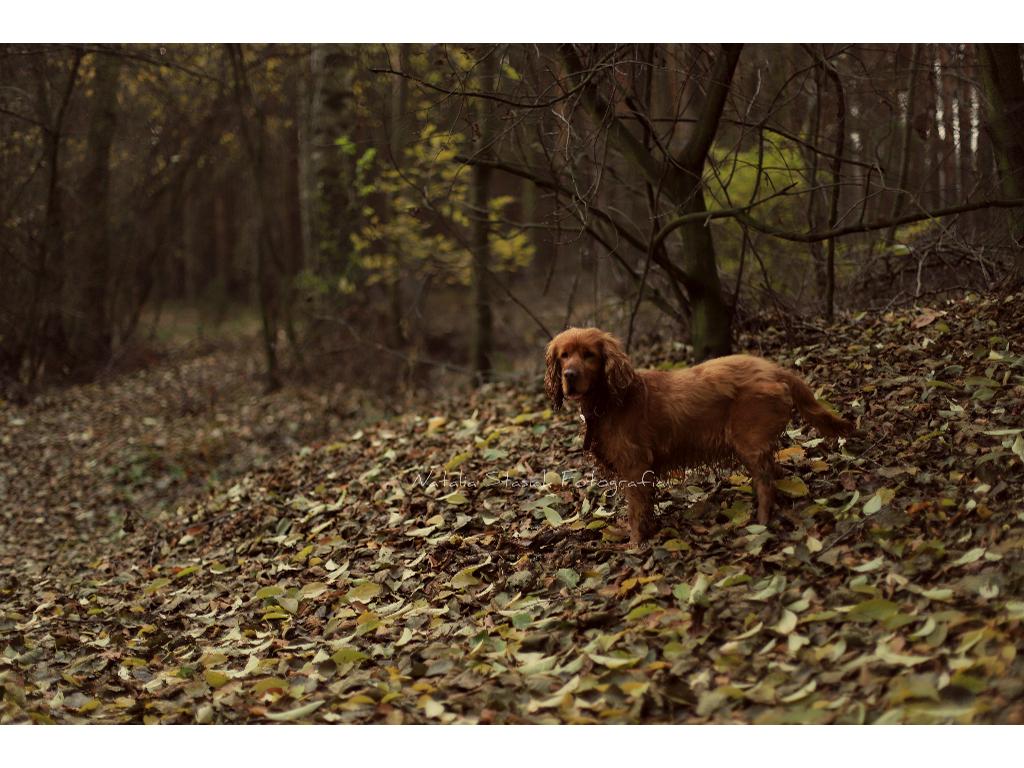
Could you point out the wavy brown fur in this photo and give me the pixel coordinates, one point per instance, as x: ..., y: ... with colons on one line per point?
x: 645, y: 424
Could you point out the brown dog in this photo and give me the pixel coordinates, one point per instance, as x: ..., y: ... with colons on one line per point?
x: 644, y: 424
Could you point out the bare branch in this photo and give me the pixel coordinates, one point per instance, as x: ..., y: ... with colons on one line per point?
x: 811, y: 237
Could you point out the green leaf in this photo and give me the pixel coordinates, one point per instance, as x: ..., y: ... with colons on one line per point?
x: 872, y: 505
x: 313, y: 589
x: 269, y: 684
x: 645, y: 609
x: 348, y: 655
x: 971, y: 556
x: 792, y: 486
x: 1015, y: 609
x: 872, y: 610
x: 885, y: 654
x: 801, y: 693
x: 699, y: 590
x: 465, y: 578
x: 364, y: 593
x: 552, y: 517
x: 1018, y: 447
x: 552, y: 478
x: 870, y: 565
x: 187, y: 571
x: 676, y: 545
x: 849, y: 504
x: 155, y: 585
x: 786, y: 624
x: 774, y: 586
x: 295, y: 714
x: 568, y: 576
x: 614, y: 662
x: 981, y: 381
x: 290, y: 604
x: 214, y: 678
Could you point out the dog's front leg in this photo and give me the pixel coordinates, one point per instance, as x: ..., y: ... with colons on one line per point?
x: 640, y: 498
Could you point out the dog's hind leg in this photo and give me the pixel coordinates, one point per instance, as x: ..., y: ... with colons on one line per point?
x: 755, y: 423
x: 762, y: 473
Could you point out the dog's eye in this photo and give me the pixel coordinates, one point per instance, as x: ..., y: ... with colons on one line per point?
x: 564, y: 355
x: 588, y: 355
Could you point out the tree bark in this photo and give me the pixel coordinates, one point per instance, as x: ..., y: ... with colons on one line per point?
x: 253, y: 130
x: 965, y: 176
x: 310, y: 98
x: 483, y: 325
x: 46, y: 335
x: 399, y: 124
x: 837, y: 188
x: 817, y: 259
x: 1005, y: 90
x: 94, y: 331
x: 905, y: 142
x: 710, y: 316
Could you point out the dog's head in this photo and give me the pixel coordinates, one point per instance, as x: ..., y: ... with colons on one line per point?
x: 587, y: 364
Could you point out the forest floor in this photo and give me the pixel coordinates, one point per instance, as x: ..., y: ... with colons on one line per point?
x: 462, y: 564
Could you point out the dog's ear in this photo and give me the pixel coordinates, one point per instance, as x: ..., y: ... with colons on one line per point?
x: 553, y: 376
x: 619, y: 375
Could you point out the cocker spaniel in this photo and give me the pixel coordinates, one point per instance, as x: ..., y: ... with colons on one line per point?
x: 643, y: 424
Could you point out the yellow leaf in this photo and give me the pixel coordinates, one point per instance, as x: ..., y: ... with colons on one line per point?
x: 363, y: 593
x: 295, y: 714
x: 635, y: 688
x: 613, y: 662
x: 214, y: 678
x: 792, y: 486
x: 786, y: 624
x: 465, y: 578
x: 430, y: 707
x: 456, y: 460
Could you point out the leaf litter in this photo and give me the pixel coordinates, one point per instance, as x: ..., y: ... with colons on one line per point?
x: 463, y: 564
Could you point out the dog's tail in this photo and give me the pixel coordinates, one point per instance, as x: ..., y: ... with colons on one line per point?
x: 814, y: 413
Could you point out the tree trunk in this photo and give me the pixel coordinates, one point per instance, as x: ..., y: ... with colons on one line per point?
x: 1004, y: 87
x: 399, y: 137
x: 837, y: 189
x: 935, y: 143
x: 94, y: 330
x: 905, y: 142
x: 950, y: 192
x: 45, y: 336
x: 710, y: 316
x: 483, y: 332
x: 965, y: 176
x: 253, y: 132
x: 1005, y: 92
x: 310, y: 98
x: 817, y: 258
